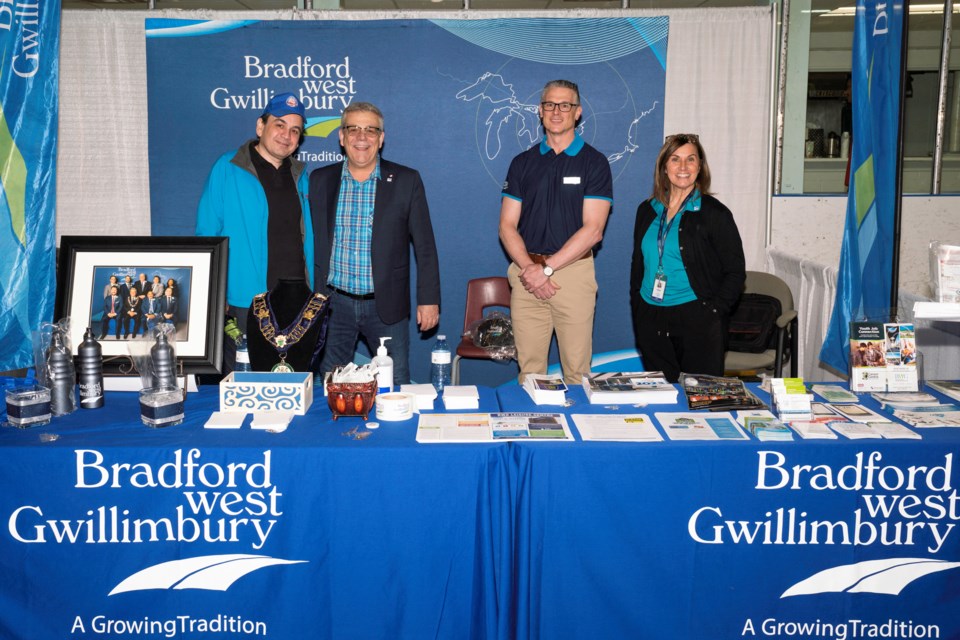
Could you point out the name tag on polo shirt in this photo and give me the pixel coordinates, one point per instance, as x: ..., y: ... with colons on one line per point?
x: 571, y: 180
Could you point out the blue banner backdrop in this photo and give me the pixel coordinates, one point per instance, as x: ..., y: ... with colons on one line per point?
x: 29, y: 72
x: 865, y: 277
x: 460, y: 101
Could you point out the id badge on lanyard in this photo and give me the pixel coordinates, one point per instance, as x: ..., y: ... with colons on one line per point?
x: 659, y: 285
x: 660, y: 280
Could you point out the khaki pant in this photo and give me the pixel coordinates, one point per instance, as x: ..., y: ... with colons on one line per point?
x: 569, y: 313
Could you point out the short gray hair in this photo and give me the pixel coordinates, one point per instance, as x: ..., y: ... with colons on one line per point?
x: 368, y: 107
x: 560, y: 84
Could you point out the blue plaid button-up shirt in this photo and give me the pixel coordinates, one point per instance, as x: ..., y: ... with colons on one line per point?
x: 350, y: 266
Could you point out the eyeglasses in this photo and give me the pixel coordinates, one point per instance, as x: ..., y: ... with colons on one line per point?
x: 563, y: 106
x: 355, y: 131
x: 682, y: 138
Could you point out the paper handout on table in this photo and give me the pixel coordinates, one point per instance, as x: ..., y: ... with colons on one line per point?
x: 489, y: 427
x: 855, y: 430
x: 460, y: 397
x: 637, y: 387
x: 546, y: 389
x: 424, y: 393
x: 894, y: 431
x: 700, y: 426
x: 905, y: 399
x: 858, y: 413
x: 944, y: 415
x: 949, y: 388
x: 813, y: 430
x: 619, y: 427
x: 833, y: 393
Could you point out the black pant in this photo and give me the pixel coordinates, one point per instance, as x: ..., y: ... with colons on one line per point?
x: 688, y: 338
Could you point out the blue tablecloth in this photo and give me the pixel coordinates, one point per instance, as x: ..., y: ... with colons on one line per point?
x: 701, y: 540
x: 310, y: 534
x: 385, y: 537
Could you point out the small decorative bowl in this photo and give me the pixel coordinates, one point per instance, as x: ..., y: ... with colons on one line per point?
x: 351, y: 398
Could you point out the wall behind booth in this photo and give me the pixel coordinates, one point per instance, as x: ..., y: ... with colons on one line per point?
x: 106, y: 186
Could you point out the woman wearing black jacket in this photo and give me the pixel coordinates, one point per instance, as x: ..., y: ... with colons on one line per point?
x: 688, y: 267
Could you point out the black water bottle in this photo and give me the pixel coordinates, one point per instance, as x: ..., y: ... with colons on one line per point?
x: 63, y: 377
x: 164, y: 367
x: 90, y: 364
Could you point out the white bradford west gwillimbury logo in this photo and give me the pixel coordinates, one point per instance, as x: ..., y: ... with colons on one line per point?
x: 213, y: 573
x: 888, y: 576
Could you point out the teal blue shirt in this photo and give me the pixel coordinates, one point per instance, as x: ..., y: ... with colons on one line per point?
x: 678, y: 289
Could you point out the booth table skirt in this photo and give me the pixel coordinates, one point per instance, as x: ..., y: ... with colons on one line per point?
x: 706, y: 540
x: 116, y: 530
x: 302, y: 534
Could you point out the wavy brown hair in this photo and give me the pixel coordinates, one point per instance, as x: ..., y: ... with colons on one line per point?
x: 661, y: 183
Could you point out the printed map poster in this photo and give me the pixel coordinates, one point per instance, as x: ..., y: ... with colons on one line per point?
x: 460, y: 100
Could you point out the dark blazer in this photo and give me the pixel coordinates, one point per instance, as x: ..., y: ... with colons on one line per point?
x: 131, y: 305
x: 399, y: 216
x: 117, y: 305
x: 169, y: 305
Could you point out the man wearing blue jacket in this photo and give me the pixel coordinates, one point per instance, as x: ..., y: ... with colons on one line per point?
x: 257, y: 196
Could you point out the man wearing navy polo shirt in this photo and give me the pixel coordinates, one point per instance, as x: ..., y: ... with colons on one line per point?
x: 555, y: 204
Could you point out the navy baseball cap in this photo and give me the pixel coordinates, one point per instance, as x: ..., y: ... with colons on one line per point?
x: 284, y: 104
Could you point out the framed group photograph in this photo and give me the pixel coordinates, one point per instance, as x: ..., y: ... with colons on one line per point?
x: 123, y: 287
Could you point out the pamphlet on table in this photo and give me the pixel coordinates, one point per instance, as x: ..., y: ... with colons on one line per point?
x: 635, y: 427
x: 813, y: 430
x: 492, y: 427
x: 944, y: 415
x: 833, y: 393
x: 546, y: 388
x: 700, y: 426
x: 763, y: 425
x: 949, y: 388
x: 717, y: 393
x: 635, y: 387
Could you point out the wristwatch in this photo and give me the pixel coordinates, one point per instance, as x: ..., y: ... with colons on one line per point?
x: 547, y: 270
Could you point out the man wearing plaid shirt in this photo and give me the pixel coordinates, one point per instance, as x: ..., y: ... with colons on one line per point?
x: 366, y: 211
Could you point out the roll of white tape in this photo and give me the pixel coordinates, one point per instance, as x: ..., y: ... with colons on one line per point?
x: 394, y: 407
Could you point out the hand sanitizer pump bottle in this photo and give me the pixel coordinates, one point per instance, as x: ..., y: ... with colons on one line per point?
x: 384, y: 364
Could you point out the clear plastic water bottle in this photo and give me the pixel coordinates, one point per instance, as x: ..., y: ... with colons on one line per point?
x: 440, y: 364
x: 243, y: 356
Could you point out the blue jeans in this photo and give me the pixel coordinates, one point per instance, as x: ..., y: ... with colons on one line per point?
x: 350, y: 318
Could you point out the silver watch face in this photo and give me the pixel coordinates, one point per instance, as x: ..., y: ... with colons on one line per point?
x: 547, y: 271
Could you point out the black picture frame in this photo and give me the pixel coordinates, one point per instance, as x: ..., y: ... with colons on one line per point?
x: 201, y: 263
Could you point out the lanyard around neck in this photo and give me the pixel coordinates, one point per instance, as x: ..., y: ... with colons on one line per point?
x: 665, y: 228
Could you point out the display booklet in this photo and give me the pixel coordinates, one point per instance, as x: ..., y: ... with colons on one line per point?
x: 883, y: 357
x: 619, y: 427
x: 546, y: 389
x: 635, y: 387
x: 700, y: 426
x: 716, y: 392
x: 949, y: 388
x: 868, y: 367
x: 491, y: 427
x: 945, y: 415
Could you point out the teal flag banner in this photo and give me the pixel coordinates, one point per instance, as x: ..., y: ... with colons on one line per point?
x: 29, y: 70
x: 865, y: 277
